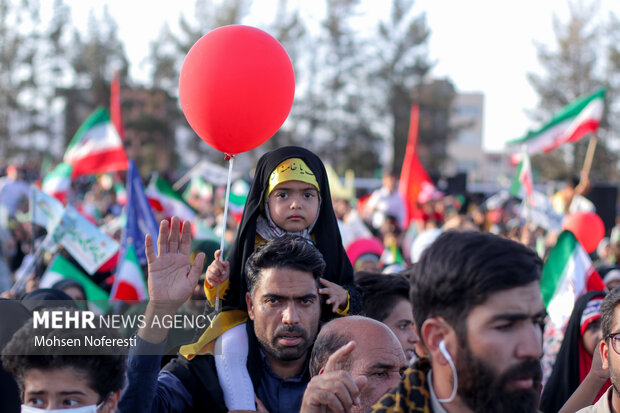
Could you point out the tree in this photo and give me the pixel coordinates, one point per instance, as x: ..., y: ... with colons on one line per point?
x: 94, y: 57
x: 331, y: 106
x: 168, y: 52
x: 30, y: 61
x: 435, y: 99
x: 579, y: 66
x: 403, y: 63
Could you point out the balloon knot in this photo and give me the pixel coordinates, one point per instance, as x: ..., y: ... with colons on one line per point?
x: 228, y: 156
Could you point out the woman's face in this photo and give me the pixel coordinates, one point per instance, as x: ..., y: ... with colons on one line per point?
x: 592, y: 336
x: 293, y: 205
x: 400, y: 321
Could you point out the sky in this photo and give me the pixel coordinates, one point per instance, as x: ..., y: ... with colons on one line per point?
x: 485, y: 46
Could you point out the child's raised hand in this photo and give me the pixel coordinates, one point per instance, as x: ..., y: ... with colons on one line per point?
x: 337, y: 296
x: 218, y: 271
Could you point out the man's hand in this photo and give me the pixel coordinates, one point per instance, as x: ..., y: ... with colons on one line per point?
x: 596, y: 369
x: 334, y: 389
x: 171, y: 278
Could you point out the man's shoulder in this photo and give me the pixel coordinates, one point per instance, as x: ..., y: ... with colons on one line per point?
x: 412, y: 393
x: 601, y: 406
x: 199, y: 377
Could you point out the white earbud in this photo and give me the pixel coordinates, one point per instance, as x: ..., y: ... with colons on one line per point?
x: 444, y: 351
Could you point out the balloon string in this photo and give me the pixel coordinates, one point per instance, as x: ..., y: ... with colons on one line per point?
x: 230, y: 159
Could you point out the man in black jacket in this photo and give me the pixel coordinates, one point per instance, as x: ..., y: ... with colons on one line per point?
x: 283, y: 304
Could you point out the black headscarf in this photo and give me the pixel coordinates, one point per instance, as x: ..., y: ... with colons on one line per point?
x: 14, y: 315
x: 564, y: 378
x: 67, y: 283
x: 42, y: 298
x: 326, y: 234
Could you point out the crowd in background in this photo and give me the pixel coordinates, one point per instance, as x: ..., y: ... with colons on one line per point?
x: 373, y: 226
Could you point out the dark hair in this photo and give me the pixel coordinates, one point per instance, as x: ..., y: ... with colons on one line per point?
x: 381, y: 293
x: 460, y: 270
x: 326, y: 345
x: 608, y: 307
x: 287, y: 251
x: 104, y: 368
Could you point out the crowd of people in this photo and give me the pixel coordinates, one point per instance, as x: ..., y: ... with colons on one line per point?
x: 320, y: 302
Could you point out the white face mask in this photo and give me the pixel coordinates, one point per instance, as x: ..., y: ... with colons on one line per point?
x: 444, y: 351
x: 84, y: 409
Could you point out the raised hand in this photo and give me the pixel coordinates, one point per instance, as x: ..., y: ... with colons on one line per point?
x: 337, y: 296
x: 218, y: 271
x: 334, y: 389
x: 171, y: 278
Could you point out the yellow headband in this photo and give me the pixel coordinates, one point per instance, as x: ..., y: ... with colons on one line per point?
x: 292, y: 169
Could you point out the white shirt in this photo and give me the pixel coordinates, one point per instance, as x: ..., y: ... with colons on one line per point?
x: 382, y: 203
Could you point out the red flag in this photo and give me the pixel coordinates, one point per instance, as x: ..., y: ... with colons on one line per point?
x: 115, y: 105
x: 412, y: 174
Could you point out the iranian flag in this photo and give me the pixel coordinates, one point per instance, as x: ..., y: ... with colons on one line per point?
x: 198, y: 188
x: 237, y: 198
x: 163, y: 198
x: 570, y: 124
x: 58, y: 182
x: 96, y: 147
x: 522, y: 184
x: 61, y: 268
x: 567, y: 274
x: 129, y: 282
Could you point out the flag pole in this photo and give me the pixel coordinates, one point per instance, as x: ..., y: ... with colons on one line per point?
x: 178, y: 184
x: 587, y: 163
x: 230, y: 159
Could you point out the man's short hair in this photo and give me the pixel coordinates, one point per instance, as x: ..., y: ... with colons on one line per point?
x: 460, y: 270
x: 104, y: 368
x: 287, y: 251
x: 608, y: 308
x: 381, y: 293
x: 326, y: 345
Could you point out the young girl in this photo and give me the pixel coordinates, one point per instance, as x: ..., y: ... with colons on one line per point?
x: 289, y: 194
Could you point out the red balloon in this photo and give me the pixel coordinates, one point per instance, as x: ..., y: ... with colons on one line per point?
x: 236, y: 87
x: 587, y: 227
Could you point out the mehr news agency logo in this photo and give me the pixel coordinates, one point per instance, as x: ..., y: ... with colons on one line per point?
x: 89, y: 320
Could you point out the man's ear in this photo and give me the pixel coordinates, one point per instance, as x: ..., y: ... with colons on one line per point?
x: 603, y: 347
x: 435, y: 330
x: 111, y: 402
x: 419, y: 347
x: 250, y: 305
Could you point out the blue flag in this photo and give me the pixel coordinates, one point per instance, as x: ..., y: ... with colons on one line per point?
x: 140, y: 218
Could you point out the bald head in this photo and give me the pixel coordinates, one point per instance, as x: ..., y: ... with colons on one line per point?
x: 378, y: 356
x: 365, y: 331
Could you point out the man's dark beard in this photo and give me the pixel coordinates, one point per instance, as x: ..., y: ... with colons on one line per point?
x: 287, y: 353
x: 483, y: 390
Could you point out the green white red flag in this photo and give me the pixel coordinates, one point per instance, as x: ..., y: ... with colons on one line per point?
x: 96, y: 147
x: 574, y: 121
x: 61, y: 268
x: 567, y: 274
x: 129, y: 282
x: 57, y: 182
x: 164, y: 198
x: 522, y: 184
x: 198, y: 188
x: 238, y: 196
